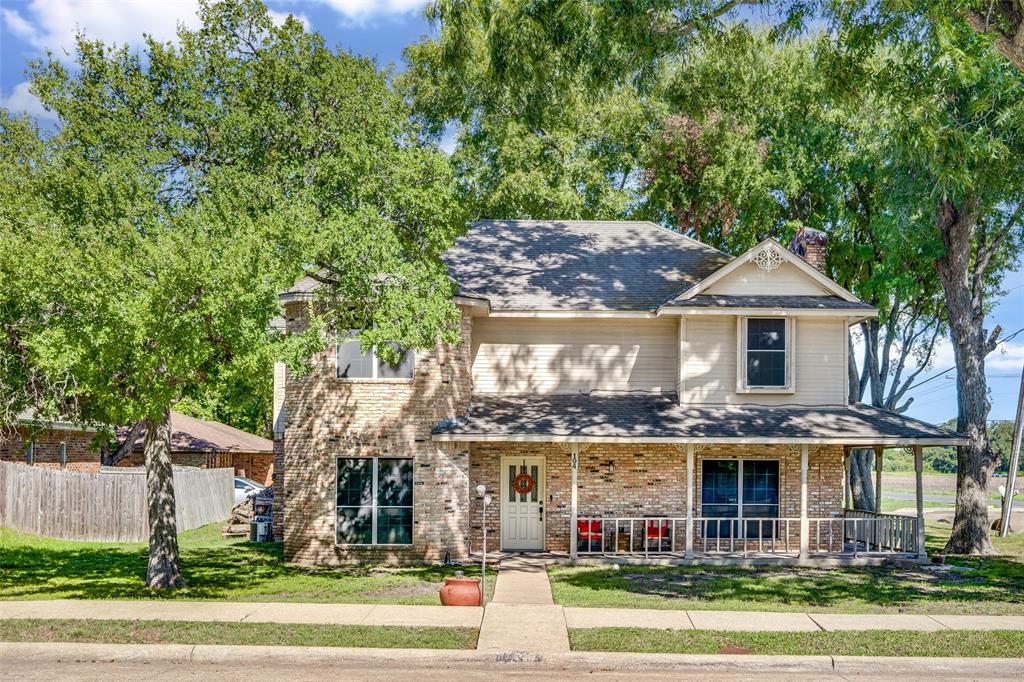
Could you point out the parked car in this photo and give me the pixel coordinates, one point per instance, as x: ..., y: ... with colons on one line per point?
x: 245, y: 488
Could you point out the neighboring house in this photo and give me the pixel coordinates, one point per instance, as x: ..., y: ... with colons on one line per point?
x: 620, y: 390
x: 212, y: 445
x: 51, y: 444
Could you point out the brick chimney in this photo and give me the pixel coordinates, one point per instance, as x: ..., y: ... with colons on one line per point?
x: 812, y: 246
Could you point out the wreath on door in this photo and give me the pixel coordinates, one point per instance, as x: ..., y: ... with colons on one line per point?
x: 523, y: 484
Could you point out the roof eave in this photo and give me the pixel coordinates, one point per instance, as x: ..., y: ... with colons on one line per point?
x: 683, y: 440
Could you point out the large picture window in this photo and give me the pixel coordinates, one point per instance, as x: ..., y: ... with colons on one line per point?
x: 374, y: 497
x: 740, y: 489
x: 354, y: 363
x: 766, y: 353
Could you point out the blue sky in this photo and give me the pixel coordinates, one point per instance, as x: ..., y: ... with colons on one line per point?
x: 380, y: 29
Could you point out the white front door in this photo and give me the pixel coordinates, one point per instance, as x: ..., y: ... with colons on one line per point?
x: 522, y: 503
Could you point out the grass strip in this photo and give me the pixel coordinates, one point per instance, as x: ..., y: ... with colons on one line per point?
x: 214, y: 567
x: 198, y: 632
x: 956, y: 643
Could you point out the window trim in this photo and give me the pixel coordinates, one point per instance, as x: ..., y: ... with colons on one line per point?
x: 373, y: 505
x: 741, y: 356
x: 739, y: 490
x: 374, y: 366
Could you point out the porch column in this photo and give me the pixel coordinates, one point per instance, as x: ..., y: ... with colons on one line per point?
x: 879, y: 453
x: 689, y: 500
x: 847, y: 493
x: 919, y: 482
x: 805, y: 526
x: 574, y: 504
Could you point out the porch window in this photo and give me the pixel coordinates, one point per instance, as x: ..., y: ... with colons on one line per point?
x: 740, y: 489
x: 374, y: 498
x: 354, y: 363
x: 765, y: 353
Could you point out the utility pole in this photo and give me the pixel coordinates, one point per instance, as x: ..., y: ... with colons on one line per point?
x: 1011, y: 474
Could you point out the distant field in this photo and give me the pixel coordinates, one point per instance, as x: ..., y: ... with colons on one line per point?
x: 935, y: 484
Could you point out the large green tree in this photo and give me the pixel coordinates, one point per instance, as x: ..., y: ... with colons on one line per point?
x: 182, y: 188
x: 739, y: 161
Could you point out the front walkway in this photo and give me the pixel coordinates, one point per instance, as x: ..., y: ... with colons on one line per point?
x: 522, y: 616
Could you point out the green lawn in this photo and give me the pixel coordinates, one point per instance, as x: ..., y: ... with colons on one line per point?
x: 992, y: 585
x: 214, y: 567
x: 957, y: 643
x: 187, y: 632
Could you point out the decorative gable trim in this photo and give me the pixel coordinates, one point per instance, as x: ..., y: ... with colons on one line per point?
x: 769, y: 255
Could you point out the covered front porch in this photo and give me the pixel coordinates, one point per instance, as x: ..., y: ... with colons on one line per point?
x: 709, y: 485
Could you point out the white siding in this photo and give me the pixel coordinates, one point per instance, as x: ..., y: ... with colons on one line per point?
x: 750, y: 280
x: 709, y: 363
x: 513, y: 355
x: 280, y: 377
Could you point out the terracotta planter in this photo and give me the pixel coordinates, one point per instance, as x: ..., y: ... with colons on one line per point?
x: 461, y: 592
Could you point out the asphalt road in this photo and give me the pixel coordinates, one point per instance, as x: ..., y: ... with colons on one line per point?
x: 29, y: 670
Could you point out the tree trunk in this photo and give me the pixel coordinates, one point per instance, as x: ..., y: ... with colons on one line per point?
x: 164, y: 570
x: 861, y: 484
x: 976, y: 460
x: 110, y: 459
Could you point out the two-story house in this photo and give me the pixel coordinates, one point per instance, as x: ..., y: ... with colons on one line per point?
x: 620, y: 389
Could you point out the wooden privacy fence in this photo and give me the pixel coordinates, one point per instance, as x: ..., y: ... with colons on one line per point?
x: 109, y: 506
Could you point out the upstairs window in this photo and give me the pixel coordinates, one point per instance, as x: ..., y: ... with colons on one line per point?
x: 765, y: 350
x: 354, y: 363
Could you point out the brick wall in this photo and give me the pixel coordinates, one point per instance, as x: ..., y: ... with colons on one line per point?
x: 46, y: 451
x: 645, y: 479
x: 327, y: 418
x: 255, y: 465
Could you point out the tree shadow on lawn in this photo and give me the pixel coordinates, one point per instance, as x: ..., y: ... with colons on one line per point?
x: 239, y: 572
x: 998, y: 581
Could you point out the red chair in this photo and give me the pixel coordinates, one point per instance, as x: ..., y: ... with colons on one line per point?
x: 588, y: 535
x: 658, y: 534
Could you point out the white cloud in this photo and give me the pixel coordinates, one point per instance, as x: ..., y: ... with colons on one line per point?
x: 360, y: 10
x: 21, y: 101
x: 53, y: 24
x: 1008, y: 356
x: 279, y: 18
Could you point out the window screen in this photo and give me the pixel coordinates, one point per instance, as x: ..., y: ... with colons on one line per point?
x: 374, y: 501
x: 766, y: 352
x: 743, y: 489
x: 403, y: 370
x: 353, y: 363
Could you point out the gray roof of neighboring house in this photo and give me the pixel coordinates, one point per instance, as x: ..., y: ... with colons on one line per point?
x: 576, y: 264
x: 200, y: 435
x: 655, y: 417
x: 807, y: 302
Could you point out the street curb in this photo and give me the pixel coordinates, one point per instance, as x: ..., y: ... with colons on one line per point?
x: 184, y: 654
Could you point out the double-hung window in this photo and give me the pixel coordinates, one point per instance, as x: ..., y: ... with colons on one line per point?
x: 374, y: 501
x: 354, y: 363
x: 741, y: 490
x: 765, y: 354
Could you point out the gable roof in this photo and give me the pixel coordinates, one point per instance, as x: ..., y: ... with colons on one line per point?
x: 787, y: 257
x: 578, y: 264
x: 604, y: 266
x: 189, y: 434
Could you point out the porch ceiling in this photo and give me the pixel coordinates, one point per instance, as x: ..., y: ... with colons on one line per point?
x: 650, y: 418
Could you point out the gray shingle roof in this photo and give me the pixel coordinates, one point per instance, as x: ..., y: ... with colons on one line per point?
x: 807, y: 302
x: 652, y: 416
x: 577, y: 265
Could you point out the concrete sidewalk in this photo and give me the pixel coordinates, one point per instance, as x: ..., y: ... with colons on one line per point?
x: 247, y: 612
x: 768, y: 621
x: 538, y: 617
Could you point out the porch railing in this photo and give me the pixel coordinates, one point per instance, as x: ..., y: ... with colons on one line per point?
x: 644, y: 536
x: 880, y: 532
